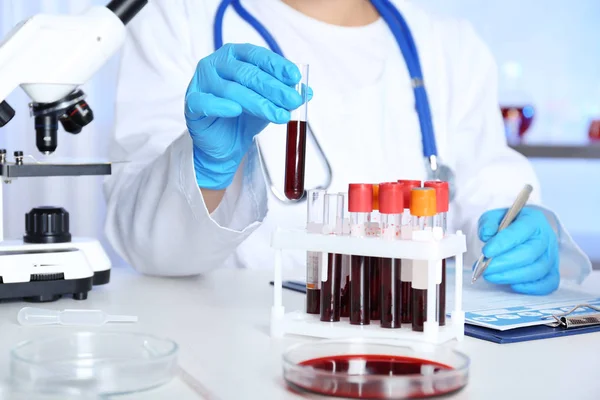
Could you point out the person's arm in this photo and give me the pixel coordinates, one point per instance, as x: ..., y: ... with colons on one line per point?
x: 489, y: 173
x: 158, y: 219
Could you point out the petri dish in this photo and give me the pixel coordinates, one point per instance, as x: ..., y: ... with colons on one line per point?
x: 365, y: 368
x: 100, y: 363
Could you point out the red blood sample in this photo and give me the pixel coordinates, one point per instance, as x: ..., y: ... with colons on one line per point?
x: 355, y: 385
x: 419, y: 309
x: 391, y: 296
x: 441, y: 297
x: 594, y: 131
x: 406, y: 291
x: 345, y: 293
x: 375, y: 280
x: 360, y: 308
x: 313, y: 301
x: 295, y: 157
x: 523, y: 114
x: 330, y: 289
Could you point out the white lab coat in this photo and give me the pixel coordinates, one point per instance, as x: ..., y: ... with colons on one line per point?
x: 157, y: 219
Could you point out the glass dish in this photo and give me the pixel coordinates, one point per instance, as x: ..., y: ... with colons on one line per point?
x: 101, y: 363
x: 375, y: 369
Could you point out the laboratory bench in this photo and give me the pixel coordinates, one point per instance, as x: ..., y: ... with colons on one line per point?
x: 221, y: 324
x: 589, y: 151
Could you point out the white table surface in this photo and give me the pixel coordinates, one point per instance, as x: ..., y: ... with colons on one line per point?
x: 221, y: 323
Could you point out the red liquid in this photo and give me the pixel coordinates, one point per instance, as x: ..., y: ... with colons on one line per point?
x: 406, y: 302
x: 375, y: 287
x: 419, y: 302
x: 313, y: 301
x: 594, y: 133
x: 360, y: 293
x: 295, y: 157
x: 441, y: 297
x: 391, y: 296
x: 345, y: 293
x: 330, y: 289
x: 357, y: 386
x: 523, y: 115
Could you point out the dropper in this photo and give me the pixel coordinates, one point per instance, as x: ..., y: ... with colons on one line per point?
x: 31, y: 316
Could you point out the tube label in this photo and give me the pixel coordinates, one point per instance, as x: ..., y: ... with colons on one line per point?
x: 358, y: 230
x: 406, y: 270
x: 419, y: 274
x: 390, y: 232
x: 313, y: 263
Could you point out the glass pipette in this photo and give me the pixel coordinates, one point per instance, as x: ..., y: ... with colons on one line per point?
x: 31, y: 316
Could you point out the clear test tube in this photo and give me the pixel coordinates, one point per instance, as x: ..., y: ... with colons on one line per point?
x: 360, y: 207
x: 406, y: 234
x: 391, y: 208
x: 422, y: 208
x: 440, y: 221
x: 331, y: 274
x: 314, y: 224
x: 295, y: 155
x: 374, y: 267
x: 343, y: 228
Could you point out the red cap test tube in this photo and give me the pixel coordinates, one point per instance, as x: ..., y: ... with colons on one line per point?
x: 391, y: 208
x: 442, y: 193
x: 360, y: 207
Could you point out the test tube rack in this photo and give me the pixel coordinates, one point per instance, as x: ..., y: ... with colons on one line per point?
x: 432, y: 251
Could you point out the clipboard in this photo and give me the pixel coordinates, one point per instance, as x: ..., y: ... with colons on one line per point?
x: 492, y: 335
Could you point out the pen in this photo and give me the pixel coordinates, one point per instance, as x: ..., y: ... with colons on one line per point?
x: 510, y: 216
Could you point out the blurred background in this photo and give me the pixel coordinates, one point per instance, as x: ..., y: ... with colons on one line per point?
x: 548, y: 54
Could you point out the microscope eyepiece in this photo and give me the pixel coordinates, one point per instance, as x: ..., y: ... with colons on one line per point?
x: 126, y: 9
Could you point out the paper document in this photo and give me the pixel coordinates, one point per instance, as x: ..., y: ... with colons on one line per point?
x: 498, y: 307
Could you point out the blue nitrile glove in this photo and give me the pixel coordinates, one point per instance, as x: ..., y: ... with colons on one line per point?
x: 234, y: 94
x: 524, y: 255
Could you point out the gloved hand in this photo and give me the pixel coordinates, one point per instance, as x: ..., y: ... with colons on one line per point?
x: 234, y: 94
x: 524, y: 255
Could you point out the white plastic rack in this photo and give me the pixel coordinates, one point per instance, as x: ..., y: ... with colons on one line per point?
x: 429, y: 254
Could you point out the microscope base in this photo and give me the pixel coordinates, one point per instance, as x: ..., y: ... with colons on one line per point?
x: 46, y: 272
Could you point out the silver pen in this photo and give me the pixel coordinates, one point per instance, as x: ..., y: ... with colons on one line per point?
x: 510, y: 216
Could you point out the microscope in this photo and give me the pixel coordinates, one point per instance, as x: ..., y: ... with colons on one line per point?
x: 47, y: 262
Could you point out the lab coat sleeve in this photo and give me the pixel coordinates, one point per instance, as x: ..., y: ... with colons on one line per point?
x: 156, y: 216
x: 489, y: 173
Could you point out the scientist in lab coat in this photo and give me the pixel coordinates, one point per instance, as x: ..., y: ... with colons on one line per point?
x: 193, y: 196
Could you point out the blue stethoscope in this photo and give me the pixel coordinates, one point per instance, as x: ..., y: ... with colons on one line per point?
x: 404, y: 38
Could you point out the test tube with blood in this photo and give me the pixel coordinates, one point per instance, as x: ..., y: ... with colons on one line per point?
x: 374, y: 262
x: 442, y: 193
x: 391, y: 208
x: 406, y: 234
x: 422, y: 208
x: 314, y: 224
x: 295, y: 154
x: 343, y: 226
x: 360, y: 207
x: 332, y: 272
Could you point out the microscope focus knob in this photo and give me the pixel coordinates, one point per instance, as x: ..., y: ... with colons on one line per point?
x: 6, y: 113
x: 47, y: 225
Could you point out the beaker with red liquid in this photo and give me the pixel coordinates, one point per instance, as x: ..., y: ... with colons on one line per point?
x: 374, y: 369
x: 295, y: 155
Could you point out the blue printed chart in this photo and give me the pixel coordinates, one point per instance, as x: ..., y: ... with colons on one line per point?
x: 520, y: 316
